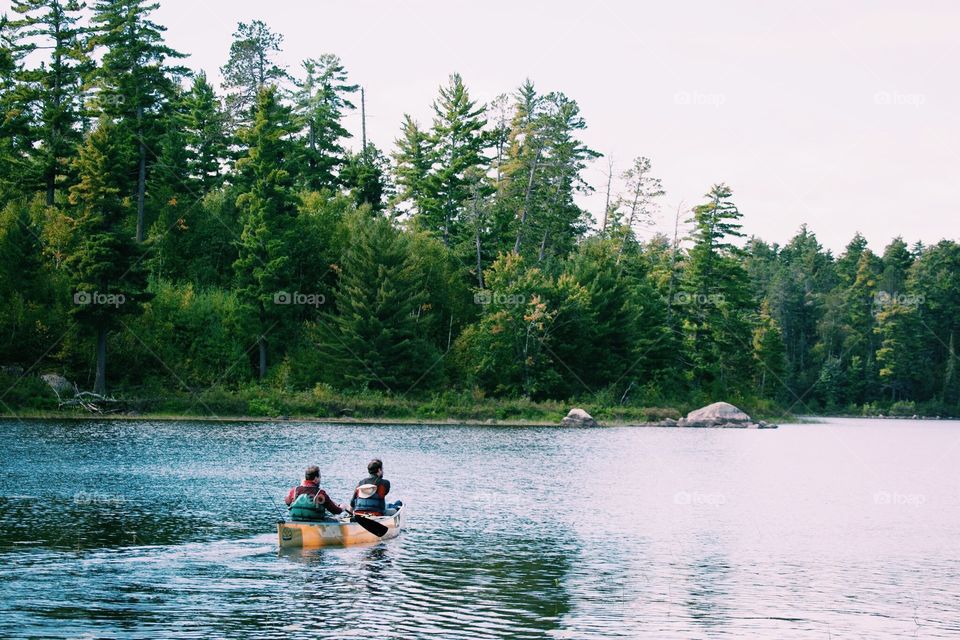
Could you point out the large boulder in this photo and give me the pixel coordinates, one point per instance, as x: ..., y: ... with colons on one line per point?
x: 721, y: 415
x: 60, y: 385
x: 578, y: 418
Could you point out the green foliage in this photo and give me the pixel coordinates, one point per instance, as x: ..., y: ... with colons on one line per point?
x: 186, y: 339
x: 457, y: 276
x: 378, y: 336
x: 511, y: 350
x: 365, y: 176
x: 34, y: 309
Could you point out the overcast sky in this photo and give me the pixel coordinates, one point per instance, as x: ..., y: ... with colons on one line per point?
x: 840, y: 115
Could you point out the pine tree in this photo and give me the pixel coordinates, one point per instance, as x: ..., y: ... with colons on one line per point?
x: 51, y: 26
x: 251, y: 68
x: 620, y: 343
x: 897, y: 260
x: 715, y: 301
x: 413, y: 161
x: 204, y: 127
x: 850, y: 258
x: 104, y: 264
x: 859, y: 339
x: 561, y: 222
x: 951, y: 380
x: 543, y: 173
x: 458, y: 143
x: 642, y: 190
x: 374, y: 340
x: 901, y: 355
x: 365, y: 175
x: 800, y: 285
x: 16, y: 131
x: 133, y: 83
x: 320, y: 102
x: 520, y: 170
x: 268, y: 211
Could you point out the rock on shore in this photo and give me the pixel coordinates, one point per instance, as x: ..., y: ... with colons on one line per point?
x: 60, y: 385
x: 722, y: 415
x: 578, y: 418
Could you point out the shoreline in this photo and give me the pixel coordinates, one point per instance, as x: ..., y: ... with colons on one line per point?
x: 387, y: 420
x: 473, y: 422
x: 239, y: 419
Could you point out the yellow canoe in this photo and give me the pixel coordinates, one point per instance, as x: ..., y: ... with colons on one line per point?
x: 335, y: 532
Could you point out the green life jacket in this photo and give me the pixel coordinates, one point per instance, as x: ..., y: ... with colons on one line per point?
x: 304, y: 509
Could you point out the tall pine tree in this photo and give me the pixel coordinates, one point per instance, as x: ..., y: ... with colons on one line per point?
x: 133, y: 83
x: 104, y: 264
x: 268, y: 210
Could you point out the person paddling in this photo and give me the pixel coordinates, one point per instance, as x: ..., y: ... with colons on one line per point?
x: 307, y: 501
x: 369, y: 498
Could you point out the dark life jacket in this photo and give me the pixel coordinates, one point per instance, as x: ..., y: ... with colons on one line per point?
x: 374, y: 503
x: 303, y: 507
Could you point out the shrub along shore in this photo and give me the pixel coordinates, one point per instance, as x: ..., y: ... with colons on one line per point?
x: 32, y: 399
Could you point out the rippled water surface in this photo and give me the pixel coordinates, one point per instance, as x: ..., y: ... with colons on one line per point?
x: 844, y: 529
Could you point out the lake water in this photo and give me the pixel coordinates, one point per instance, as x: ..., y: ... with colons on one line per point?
x: 843, y: 529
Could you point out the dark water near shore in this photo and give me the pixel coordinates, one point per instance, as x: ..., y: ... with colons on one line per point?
x: 846, y: 529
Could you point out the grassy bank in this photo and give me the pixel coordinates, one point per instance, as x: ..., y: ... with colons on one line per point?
x: 31, y: 397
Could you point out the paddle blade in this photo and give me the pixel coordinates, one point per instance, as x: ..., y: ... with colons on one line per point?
x: 372, y: 526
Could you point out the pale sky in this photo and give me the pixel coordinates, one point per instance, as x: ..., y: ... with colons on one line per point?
x: 840, y: 115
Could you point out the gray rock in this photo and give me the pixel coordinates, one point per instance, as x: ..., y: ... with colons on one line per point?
x: 60, y: 385
x: 722, y: 415
x: 668, y: 422
x: 718, y: 412
x: 578, y: 418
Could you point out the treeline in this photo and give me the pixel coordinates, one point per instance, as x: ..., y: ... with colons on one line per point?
x: 197, y: 239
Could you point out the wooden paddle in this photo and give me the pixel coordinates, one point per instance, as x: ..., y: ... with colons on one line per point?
x: 372, y: 526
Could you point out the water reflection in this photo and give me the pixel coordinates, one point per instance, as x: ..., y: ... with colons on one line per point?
x: 708, y: 594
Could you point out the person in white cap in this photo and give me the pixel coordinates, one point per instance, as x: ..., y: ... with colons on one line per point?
x: 369, y: 498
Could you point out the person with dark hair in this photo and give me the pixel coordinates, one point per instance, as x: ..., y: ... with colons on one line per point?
x: 307, y: 501
x: 369, y: 498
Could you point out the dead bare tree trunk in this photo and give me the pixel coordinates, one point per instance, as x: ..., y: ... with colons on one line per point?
x: 606, y: 207
x: 673, y: 262
x: 141, y: 178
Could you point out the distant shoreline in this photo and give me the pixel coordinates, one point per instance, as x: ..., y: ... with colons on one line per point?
x: 236, y: 419
x: 490, y: 422
x: 387, y: 420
